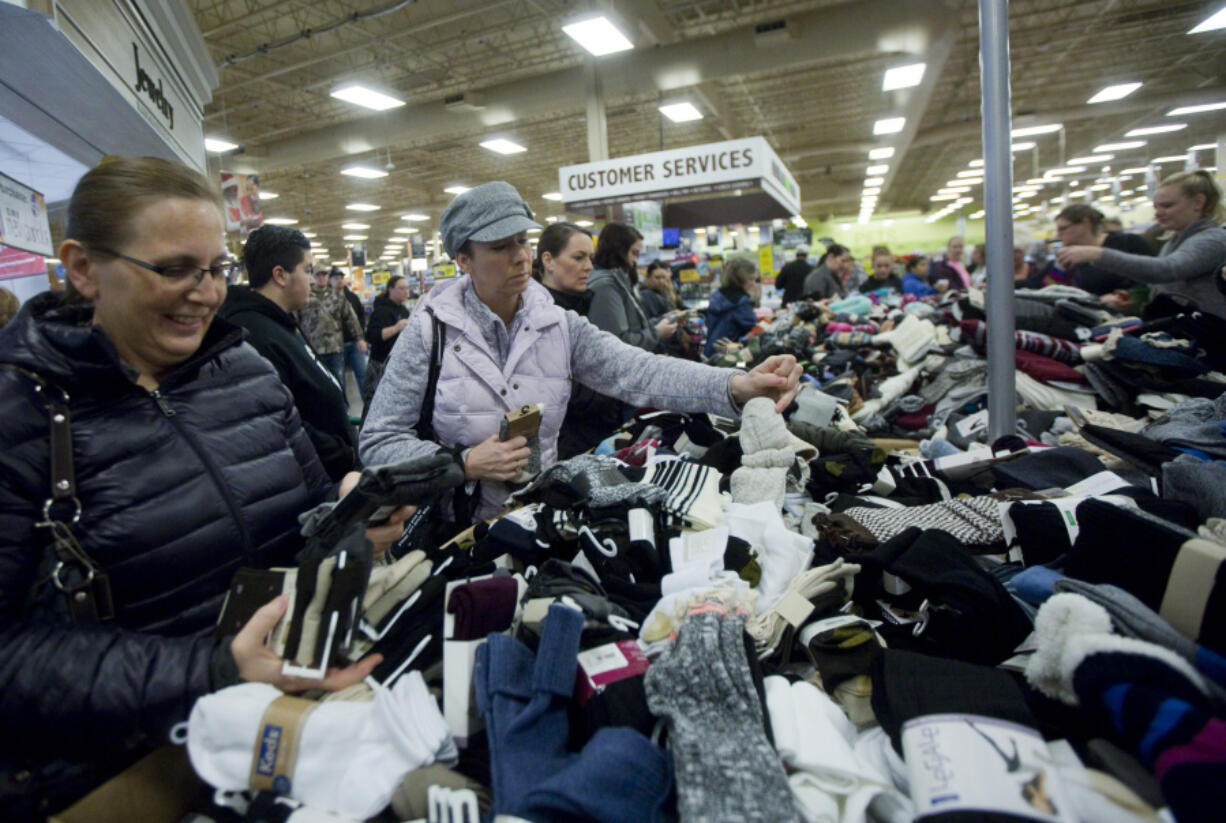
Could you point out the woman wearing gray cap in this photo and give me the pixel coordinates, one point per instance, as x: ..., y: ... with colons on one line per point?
x: 506, y: 345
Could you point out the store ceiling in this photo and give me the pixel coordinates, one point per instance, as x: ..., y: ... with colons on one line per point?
x: 817, y: 109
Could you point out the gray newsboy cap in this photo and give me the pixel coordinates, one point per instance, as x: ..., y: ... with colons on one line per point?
x: 485, y: 213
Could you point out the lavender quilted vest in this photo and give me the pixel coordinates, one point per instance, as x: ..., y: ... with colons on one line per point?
x: 474, y: 394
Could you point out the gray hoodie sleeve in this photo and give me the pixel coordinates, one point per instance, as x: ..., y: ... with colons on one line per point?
x: 602, y: 362
x: 1198, y: 254
x: 388, y: 435
x: 610, y: 312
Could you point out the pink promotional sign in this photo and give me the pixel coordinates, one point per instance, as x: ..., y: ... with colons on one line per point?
x: 17, y: 263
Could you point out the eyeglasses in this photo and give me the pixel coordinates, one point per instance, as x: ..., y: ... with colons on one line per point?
x: 179, y: 272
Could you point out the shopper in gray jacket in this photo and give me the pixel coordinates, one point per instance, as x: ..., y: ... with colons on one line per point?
x: 615, y: 308
x: 1188, y: 205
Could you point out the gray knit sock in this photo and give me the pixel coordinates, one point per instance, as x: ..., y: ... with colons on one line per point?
x: 725, y: 767
x: 1198, y: 482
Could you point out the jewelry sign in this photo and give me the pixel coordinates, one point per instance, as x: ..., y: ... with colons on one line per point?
x: 23, y: 218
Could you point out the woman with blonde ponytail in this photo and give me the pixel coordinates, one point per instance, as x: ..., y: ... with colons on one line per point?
x: 1188, y: 205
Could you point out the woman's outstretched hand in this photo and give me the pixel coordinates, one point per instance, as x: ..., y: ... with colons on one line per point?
x: 776, y: 377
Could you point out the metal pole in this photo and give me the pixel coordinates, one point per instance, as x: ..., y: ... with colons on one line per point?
x: 998, y: 217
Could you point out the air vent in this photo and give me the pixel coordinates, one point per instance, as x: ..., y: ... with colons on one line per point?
x: 466, y: 102
x: 767, y: 34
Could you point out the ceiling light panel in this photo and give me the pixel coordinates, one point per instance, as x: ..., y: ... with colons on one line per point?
x: 366, y: 97
x: 1204, y: 107
x: 365, y: 172
x: 1112, y: 147
x: 1033, y: 131
x: 501, y: 145
x: 1148, y: 130
x: 903, y: 77
x: 1089, y: 159
x: 218, y: 146
x: 598, y: 35
x: 682, y: 112
x: 874, y: 171
x: 889, y: 125
x: 1116, y: 92
x: 881, y: 153
x: 362, y: 207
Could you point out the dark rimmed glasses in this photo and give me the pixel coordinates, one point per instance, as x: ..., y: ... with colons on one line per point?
x: 180, y: 272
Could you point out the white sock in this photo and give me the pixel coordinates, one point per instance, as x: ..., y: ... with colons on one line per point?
x: 351, y: 756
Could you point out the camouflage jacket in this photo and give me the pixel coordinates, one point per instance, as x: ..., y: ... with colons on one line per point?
x: 323, y: 318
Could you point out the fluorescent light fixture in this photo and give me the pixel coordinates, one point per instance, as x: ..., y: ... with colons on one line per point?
x: 598, y: 35
x: 1141, y: 170
x: 354, y: 237
x: 365, y: 172
x: 700, y: 230
x: 584, y: 224
x: 1182, y: 110
x: 1213, y: 22
x: 1197, y: 147
x: 366, y: 97
x: 903, y: 77
x: 218, y: 146
x: 456, y: 189
x: 882, y: 153
x: 1037, y: 181
x: 869, y: 182
x: 363, y: 207
x: 1025, y: 145
x: 872, y: 190
x: 415, y: 218
x: 1147, y: 130
x: 269, y: 195
x: 953, y: 189
x: 1089, y: 159
x: 552, y: 195
x: 1026, y: 195
x: 403, y: 230
x: 281, y: 221
x: 976, y: 164
x: 552, y: 219
x: 1117, y: 92
x: 534, y: 231
x: 1058, y: 172
x: 978, y: 215
x: 355, y: 226
x: 502, y: 146
x: 873, y: 171
x: 1126, y: 146
x: 682, y: 112
x: 799, y: 221
x: 340, y: 262
x: 943, y: 197
x: 966, y: 181
x: 1171, y: 158
x: 321, y: 252
x: 1032, y: 131
x: 889, y: 125
x: 970, y: 174
x: 308, y: 234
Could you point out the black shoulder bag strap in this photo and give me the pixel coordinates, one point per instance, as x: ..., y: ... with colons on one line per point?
x: 83, y: 582
x: 425, y: 421
x: 463, y: 504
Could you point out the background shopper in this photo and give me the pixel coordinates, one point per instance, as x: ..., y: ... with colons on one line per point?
x: 615, y: 308
x: 388, y: 318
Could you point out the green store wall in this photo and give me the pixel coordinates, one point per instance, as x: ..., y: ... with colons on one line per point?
x: 903, y: 235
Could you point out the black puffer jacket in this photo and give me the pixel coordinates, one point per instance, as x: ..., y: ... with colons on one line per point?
x: 178, y: 488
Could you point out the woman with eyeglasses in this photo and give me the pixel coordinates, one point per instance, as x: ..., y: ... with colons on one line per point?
x: 179, y: 457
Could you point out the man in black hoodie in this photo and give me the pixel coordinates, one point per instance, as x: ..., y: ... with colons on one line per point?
x: 279, y: 268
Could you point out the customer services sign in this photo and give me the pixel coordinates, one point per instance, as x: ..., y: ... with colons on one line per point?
x: 746, y: 163
x: 23, y: 218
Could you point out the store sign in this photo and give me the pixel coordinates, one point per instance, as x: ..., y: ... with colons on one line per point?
x: 157, y: 97
x: 732, y: 164
x: 23, y: 218
x: 16, y: 263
